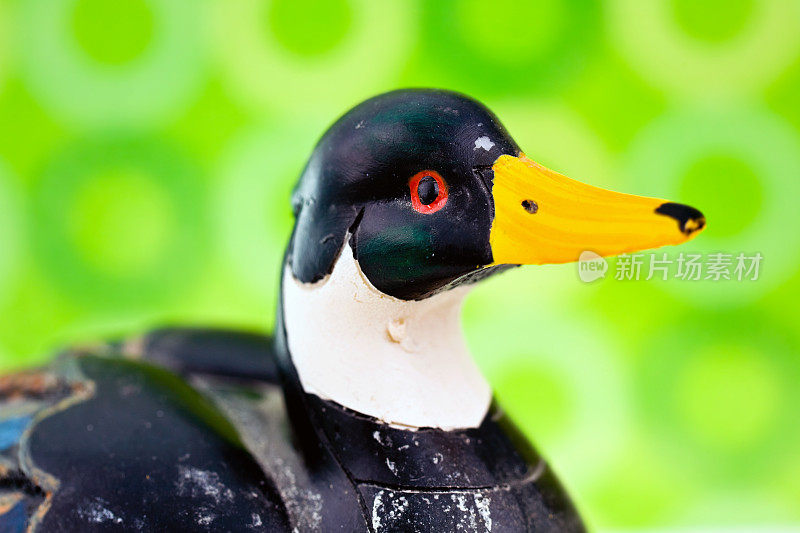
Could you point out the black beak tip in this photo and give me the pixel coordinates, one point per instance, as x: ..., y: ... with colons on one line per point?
x: 690, y: 220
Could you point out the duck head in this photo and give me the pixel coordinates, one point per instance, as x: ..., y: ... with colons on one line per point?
x: 432, y: 192
x: 407, y: 200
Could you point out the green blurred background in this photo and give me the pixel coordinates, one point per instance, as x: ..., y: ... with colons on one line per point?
x: 148, y: 148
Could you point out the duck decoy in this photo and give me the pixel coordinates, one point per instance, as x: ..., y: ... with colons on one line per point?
x: 363, y: 411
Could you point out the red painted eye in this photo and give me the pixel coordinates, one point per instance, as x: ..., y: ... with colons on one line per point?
x: 428, y: 191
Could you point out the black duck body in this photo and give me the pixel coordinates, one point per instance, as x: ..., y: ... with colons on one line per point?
x: 111, y: 439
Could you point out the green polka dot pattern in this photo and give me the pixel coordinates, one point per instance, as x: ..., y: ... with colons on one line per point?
x: 120, y: 214
x: 149, y: 147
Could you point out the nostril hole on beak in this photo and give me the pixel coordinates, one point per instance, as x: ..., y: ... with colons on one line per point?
x: 530, y: 206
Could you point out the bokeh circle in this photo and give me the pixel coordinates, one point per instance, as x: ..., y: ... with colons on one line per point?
x: 649, y: 36
x: 666, y: 152
x: 720, y: 395
x: 506, y: 46
x: 119, y: 220
x: 72, y: 68
x: 556, y: 373
x: 270, y: 71
x: 557, y: 137
x: 253, y: 210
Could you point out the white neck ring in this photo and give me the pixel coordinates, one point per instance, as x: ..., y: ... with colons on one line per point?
x: 402, y: 362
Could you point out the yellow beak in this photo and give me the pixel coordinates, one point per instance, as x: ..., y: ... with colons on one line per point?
x: 543, y: 217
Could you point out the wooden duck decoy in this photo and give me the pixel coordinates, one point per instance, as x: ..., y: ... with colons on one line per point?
x: 364, y: 411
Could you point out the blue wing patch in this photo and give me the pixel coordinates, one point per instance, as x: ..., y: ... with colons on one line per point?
x: 11, y: 430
